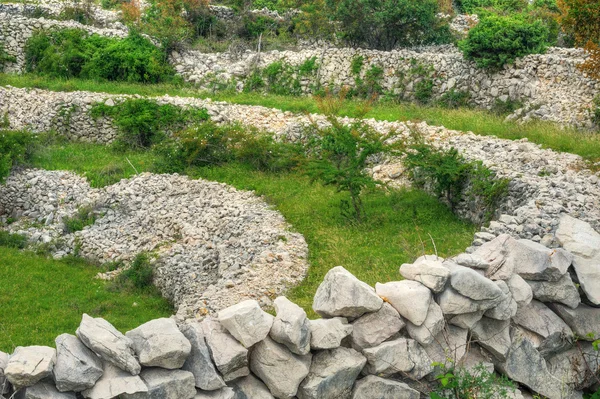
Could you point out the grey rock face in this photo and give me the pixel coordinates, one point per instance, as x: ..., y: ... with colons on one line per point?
x: 29, y: 364
x: 373, y: 328
x: 115, y: 382
x: 159, y: 343
x: 410, y: 298
x: 223, y: 393
x: 538, y: 318
x: 561, y: 291
x: 108, y: 343
x: 3, y: 383
x: 165, y: 384
x: 230, y: 357
x: 473, y: 285
x: 77, y: 368
x: 581, y: 240
x: 376, y: 387
x: 534, y: 261
x: 250, y: 387
x: 584, y: 320
x: 450, y: 343
x: 573, y: 366
x: 466, y: 320
x: 520, y: 290
x: 280, y: 370
x: 328, y: 333
x: 291, y: 326
x: 432, y: 326
x: 399, y: 355
x: 453, y: 303
x: 494, y: 254
x: 247, y: 322
x: 45, y: 390
x: 199, y: 362
x: 332, y: 374
x: 507, y: 308
x: 428, y: 271
x: 342, y: 294
x: 493, y: 335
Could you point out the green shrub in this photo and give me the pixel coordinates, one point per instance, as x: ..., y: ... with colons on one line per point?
x: 14, y: 149
x: 506, y: 107
x: 282, y: 78
x: 144, y: 122
x: 5, y: 57
x: 85, y: 216
x: 385, y: 24
x: 500, y: 40
x: 12, y: 240
x: 139, y: 275
x: 356, y: 64
x: 453, y: 99
x: 461, y: 383
x: 72, y: 53
x: 424, y: 90
x: 253, y: 25
x: 371, y: 85
x: 509, y: 6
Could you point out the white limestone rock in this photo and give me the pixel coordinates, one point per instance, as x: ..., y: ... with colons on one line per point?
x: 432, y: 326
x: 165, y: 384
x: 291, y: 327
x: 199, y: 362
x: 77, y: 367
x: 159, y: 343
x: 30, y: 364
x: 328, y: 333
x: 584, y: 320
x: 246, y: 321
x: 376, y: 387
x: 560, y: 291
x: 223, y: 393
x: 373, y: 328
x: 493, y: 335
x: 115, y: 382
x: 428, y: 271
x: 230, y: 357
x: 399, y: 355
x: 410, y: 298
x: 250, y: 387
x: 46, y: 390
x: 520, y: 290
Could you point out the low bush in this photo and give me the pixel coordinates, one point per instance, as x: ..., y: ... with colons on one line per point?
x: 144, y: 122
x: 282, y: 78
x: 508, y: 6
x: 500, y: 40
x: 70, y: 53
x: 424, y: 90
x: 85, y: 216
x: 5, y: 57
x: 139, y: 275
x: 506, y: 107
x: 462, y: 383
x: 12, y: 240
x: 453, y: 99
x: 14, y: 149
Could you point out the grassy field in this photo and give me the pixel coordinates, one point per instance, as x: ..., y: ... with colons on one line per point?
x: 397, y: 229
x: 481, y: 122
x: 41, y: 298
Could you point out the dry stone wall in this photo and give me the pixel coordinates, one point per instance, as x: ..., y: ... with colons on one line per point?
x: 511, y: 306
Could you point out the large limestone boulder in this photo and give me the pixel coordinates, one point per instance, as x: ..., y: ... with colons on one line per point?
x: 77, y: 367
x: 573, y: 366
x: 281, y: 370
x: 410, y: 298
x: 342, y: 294
x: 29, y: 364
x: 466, y: 320
x: 454, y: 303
x: 373, y: 328
x: 291, y: 326
x: 46, y: 390
x: 247, y: 322
x: 328, y: 333
x: 507, y: 308
x: 108, y: 343
x: 520, y: 290
x: 376, y: 387
x: 159, y: 343
x: 250, y: 387
x: 332, y: 374
x: 583, y: 242
x: 433, y: 325
x: 400, y: 355
x: 467, y: 282
x: 223, y: 393
x: 493, y: 335
x: 230, y: 357
x: 427, y: 270
x: 115, y: 382
x: 584, y: 320
x: 165, y: 384
x: 561, y: 291
x: 199, y: 362
x: 450, y: 344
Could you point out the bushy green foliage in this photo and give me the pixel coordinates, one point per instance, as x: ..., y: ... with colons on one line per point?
x: 500, y: 40
x: 282, y: 78
x: 139, y: 275
x: 85, y: 216
x: 385, y: 24
x: 12, y: 240
x: 14, y: 149
x: 510, y: 6
x: 461, y: 383
x: 506, y: 107
x: 371, y: 85
x: 453, y: 99
x: 69, y: 53
x: 144, y: 122
x: 424, y: 90
x: 209, y: 144
x: 451, y: 176
x: 253, y: 25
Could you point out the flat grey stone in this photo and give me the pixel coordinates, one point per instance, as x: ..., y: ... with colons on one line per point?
x: 29, y: 364
x: 520, y: 290
x: 410, y: 298
x: 280, y: 370
x: 466, y: 320
x: 533, y: 261
x: 199, y: 362
x: 246, y: 321
x: 471, y: 260
x: 432, y: 326
x: 399, y: 355
x: 583, y: 242
x: 159, y: 343
x: 584, y: 320
x: 372, y: 387
x: 77, y: 367
x: 493, y: 335
x: 449, y: 345
x: 373, y: 328
x: 230, y: 357
x: 291, y: 326
x: 115, y: 382
x: 494, y: 253
x: 573, y: 366
x: 165, y: 384
x: 108, y: 343
x: 328, y: 333
x: 223, y: 393
x: 332, y: 374
x: 505, y: 309
x: 561, y: 291
x: 428, y: 271
x: 342, y: 294
x: 453, y: 303
x: 45, y: 390
x: 250, y: 387
x: 473, y: 285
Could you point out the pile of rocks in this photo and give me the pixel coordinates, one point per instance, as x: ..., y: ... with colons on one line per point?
x: 215, y: 245
x: 511, y: 306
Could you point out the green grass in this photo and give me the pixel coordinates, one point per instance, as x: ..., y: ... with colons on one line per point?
x: 41, y: 298
x: 396, y: 230
x: 481, y: 122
